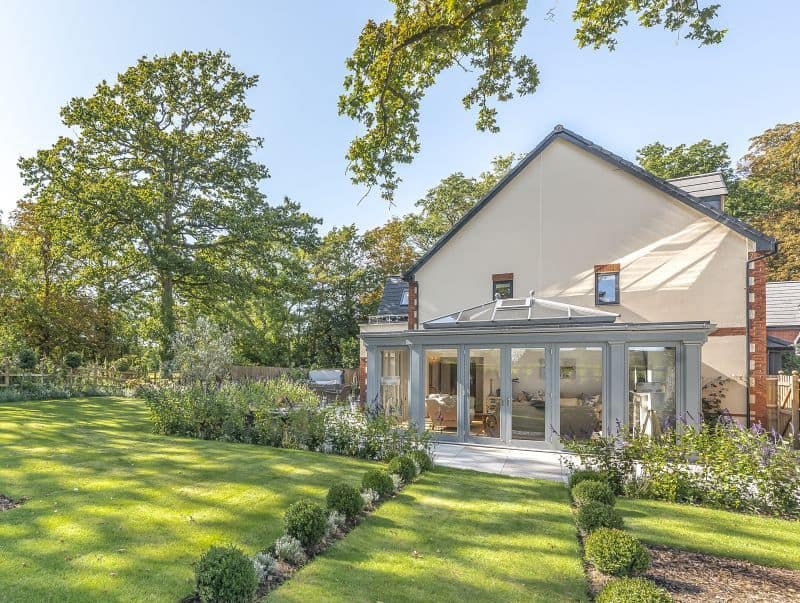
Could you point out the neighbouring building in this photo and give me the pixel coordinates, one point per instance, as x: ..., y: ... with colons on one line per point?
x: 580, y: 293
x: 783, y: 321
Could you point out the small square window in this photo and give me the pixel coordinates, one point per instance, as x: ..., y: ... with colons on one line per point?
x: 503, y: 289
x: 606, y: 288
x: 404, y: 298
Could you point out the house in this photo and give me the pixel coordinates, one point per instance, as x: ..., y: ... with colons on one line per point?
x: 783, y: 321
x: 580, y: 293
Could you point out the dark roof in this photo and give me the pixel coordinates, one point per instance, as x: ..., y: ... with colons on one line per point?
x: 711, y: 184
x: 783, y: 303
x: 762, y: 241
x: 391, y: 302
x: 774, y: 343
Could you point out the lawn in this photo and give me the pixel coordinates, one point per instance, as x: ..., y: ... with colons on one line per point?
x: 119, y: 514
x: 762, y: 540
x: 454, y: 536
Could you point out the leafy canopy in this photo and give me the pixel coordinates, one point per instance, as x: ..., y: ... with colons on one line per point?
x: 397, y: 60
x: 685, y: 160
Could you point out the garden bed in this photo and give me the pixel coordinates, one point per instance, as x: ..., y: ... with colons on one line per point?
x: 695, y: 577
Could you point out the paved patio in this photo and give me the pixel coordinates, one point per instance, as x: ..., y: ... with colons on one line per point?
x: 505, y: 461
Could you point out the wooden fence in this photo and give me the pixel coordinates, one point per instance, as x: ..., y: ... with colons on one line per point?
x: 783, y: 404
x: 263, y: 373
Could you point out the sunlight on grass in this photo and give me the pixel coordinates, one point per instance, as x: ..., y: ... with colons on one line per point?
x: 454, y: 536
x: 119, y: 514
x: 763, y: 540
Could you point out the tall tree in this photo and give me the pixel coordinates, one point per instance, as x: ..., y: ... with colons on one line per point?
x: 160, y: 178
x: 397, y: 60
x: 685, y: 160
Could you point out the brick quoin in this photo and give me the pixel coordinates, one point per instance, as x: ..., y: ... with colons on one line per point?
x: 413, y: 305
x: 362, y: 382
x: 757, y: 309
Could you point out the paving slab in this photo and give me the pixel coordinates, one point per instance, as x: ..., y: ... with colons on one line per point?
x: 516, y: 462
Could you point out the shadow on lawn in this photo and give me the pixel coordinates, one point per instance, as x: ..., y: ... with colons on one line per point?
x: 117, y: 513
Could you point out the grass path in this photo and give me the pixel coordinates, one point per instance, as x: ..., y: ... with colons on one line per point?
x: 762, y: 540
x: 118, y: 514
x: 453, y: 536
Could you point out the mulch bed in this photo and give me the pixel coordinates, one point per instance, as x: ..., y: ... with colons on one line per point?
x: 693, y: 577
x: 6, y: 503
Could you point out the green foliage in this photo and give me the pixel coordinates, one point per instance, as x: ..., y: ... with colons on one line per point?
x: 589, y: 490
x: 201, y: 351
x: 290, y: 549
x: 582, y: 475
x: 632, y: 590
x: 378, y: 480
x: 616, y: 553
x: 345, y: 499
x: 685, y: 160
x: 158, y: 188
x: 721, y: 464
x: 397, y: 60
x: 423, y: 459
x: 404, y: 467
x: 280, y: 413
x: 595, y: 514
x: 306, y: 521
x: 72, y: 360
x: 27, y: 359
x: 600, y: 20
x: 225, y: 575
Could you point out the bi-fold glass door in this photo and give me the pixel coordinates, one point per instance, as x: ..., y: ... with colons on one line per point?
x: 506, y: 401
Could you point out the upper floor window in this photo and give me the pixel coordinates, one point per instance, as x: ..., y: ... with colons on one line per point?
x: 606, y: 284
x: 404, y: 298
x: 503, y: 285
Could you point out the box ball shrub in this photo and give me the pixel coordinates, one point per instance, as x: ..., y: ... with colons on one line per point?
x: 595, y: 514
x: 306, y: 521
x: 225, y: 574
x: 379, y: 481
x: 72, y: 360
x: 632, y: 590
x: 345, y: 499
x: 592, y: 490
x: 616, y: 553
x: 404, y: 467
x: 423, y: 459
x: 582, y: 475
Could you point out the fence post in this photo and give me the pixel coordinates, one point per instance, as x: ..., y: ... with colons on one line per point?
x: 795, y: 405
x: 773, y: 418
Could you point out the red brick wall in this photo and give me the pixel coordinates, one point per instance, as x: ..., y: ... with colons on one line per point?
x: 413, y: 305
x: 362, y: 381
x: 786, y: 333
x: 757, y: 308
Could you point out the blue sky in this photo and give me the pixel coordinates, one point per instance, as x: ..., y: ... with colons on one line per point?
x: 655, y: 86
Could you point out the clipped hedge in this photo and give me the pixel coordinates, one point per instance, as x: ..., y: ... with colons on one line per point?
x: 378, y: 480
x: 632, y: 590
x: 345, y: 499
x: 306, y: 521
x: 582, y: 475
x: 589, y: 490
x: 616, y: 553
x: 225, y: 575
x: 404, y: 467
x: 595, y: 514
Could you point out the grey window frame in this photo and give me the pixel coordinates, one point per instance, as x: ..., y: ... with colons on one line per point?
x: 510, y: 283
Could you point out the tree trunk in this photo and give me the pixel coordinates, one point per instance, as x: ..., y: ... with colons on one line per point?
x: 167, y: 318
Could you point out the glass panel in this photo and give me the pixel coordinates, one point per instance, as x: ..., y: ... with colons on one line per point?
x: 484, y: 393
x: 441, y: 387
x: 394, y: 384
x: 607, y: 288
x: 504, y: 289
x: 651, y: 383
x: 581, y: 403
x: 528, y: 394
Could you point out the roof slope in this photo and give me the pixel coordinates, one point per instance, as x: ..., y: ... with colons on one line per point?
x: 391, y: 302
x: 783, y: 303
x: 762, y: 241
x: 702, y: 185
